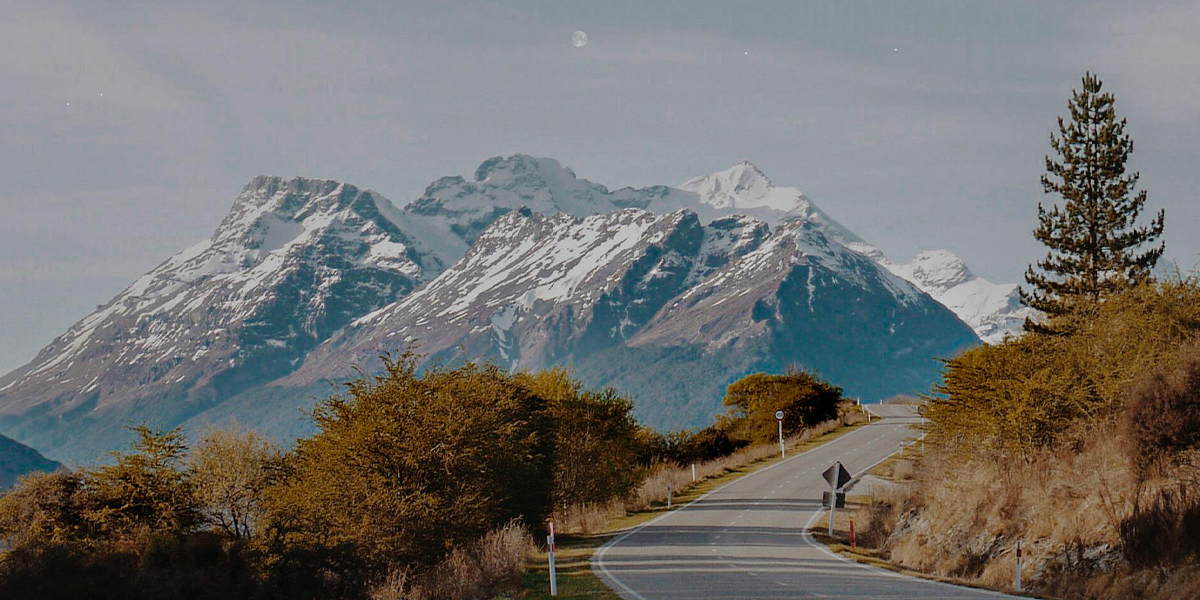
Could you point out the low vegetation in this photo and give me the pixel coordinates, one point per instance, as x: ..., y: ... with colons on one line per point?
x: 415, y: 485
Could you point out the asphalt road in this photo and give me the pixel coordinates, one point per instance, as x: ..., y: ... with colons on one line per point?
x: 748, y: 539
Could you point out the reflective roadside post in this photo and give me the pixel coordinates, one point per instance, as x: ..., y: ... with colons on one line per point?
x: 782, y: 448
x: 1017, y: 574
x: 553, y: 575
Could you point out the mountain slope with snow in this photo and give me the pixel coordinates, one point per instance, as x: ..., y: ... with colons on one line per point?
x: 532, y: 291
x: 293, y: 262
x: 993, y: 310
x: 525, y: 264
x: 703, y: 304
x: 799, y: 299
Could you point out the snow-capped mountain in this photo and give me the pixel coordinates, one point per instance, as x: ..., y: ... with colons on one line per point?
x: 993, y: 310
x: 455, y: 211
x: 702, y: 304
x: 667, y: 292
x: 292, y: 263
x: 800, y: 298
x: 532, y: 291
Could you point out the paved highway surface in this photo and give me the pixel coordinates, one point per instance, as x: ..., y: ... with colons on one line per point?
x: 748, y: 539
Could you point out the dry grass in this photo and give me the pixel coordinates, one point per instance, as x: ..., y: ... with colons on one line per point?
x: 482, y: 570
x: 962, y: 519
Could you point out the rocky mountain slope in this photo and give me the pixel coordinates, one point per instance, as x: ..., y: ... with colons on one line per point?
x: 525, y: 264
x: 664, y: 307
x: 536, y: 291
x: 293, y: 262
x: 993, y: 310
x: 17, y: 459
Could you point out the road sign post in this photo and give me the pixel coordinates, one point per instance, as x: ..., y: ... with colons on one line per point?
x: 553, y: 574
x: 782, y: 448
x: 837, y: 476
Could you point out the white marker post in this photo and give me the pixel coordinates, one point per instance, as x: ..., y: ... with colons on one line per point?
x: 669, y: 496
x: 1017, y: 573
x: 693, y: 472
x: 553, y: 574
x: 782, y: 448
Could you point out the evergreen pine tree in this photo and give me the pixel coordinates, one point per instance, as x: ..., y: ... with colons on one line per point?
x: 1094, y: 238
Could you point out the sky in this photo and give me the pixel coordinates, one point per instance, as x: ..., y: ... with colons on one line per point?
x: 128, y: 128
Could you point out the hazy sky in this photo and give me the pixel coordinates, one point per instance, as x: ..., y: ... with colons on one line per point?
x: 127, y: 128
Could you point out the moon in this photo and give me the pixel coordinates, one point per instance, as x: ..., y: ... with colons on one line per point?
x: 579, y: 39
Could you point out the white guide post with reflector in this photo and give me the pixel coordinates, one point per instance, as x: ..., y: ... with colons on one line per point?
x: 553, y: 575
x: 782, y: 448
x: 1017, y: 573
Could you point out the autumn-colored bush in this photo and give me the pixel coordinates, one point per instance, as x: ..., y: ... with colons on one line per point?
x: 405, y: 467
x: 132, y: 529
x: 1023, y: 395
x: 596, y: 438
x: 753, y: 400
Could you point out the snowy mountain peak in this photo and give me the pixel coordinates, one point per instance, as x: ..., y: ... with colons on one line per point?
x: 292, y: 262
x: 993, y: 310
x: 505, y: 183
x: 744, y: 186
x: 938, y: 270
x: 499, y: 170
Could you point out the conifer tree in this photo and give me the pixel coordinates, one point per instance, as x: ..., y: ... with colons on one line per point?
x: 1094, y: 239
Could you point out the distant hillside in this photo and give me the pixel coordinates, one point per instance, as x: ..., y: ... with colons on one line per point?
x: 17, y: 459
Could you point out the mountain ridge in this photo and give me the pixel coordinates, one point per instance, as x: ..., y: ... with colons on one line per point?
x: 299, y: 265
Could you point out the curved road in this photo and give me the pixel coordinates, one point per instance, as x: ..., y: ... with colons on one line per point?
x: 748, y: 538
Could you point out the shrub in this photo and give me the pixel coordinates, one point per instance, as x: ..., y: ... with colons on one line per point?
x: 146, y: 489
x: 477, y: 571
x: 1023, y: 395
x: 1162, y: 415
x: 596, y: 438
x: 804, y: 399
x: 1165, y: 531
x: 405, y: 467
x: 230, y: 470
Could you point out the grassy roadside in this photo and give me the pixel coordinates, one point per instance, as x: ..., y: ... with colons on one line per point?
x: 893, y: 470
x: 573, y: 559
